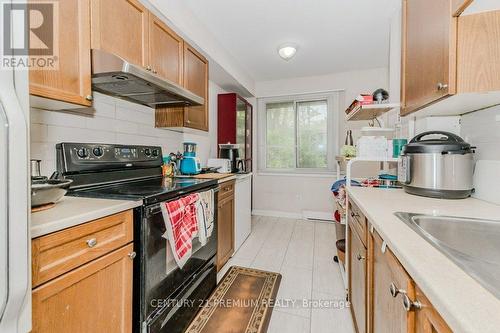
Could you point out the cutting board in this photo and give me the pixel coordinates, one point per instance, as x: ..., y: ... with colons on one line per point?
x: 487, y: 181
x: 213, y: 175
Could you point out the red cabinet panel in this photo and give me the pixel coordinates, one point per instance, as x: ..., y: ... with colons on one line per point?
x: 234, y: 124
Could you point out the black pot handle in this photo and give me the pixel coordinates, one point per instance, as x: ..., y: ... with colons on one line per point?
x: 449, y: 136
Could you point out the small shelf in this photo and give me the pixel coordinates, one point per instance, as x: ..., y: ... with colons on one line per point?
x: 370, y: 111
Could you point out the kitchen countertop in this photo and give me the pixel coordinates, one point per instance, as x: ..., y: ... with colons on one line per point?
x: 71, y: 211
x: 464, y: 304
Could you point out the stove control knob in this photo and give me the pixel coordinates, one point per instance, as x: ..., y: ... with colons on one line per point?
x: 98, y: 151
x: 156, y: 152
x: 147, y: 152
x: 82, y: 152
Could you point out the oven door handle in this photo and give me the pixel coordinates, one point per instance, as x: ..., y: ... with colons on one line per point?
x: 180, y: 302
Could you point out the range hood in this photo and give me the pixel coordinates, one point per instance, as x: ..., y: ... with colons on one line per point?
x: 111, y: 75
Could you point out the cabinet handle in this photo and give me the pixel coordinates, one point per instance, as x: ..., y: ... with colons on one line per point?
x: 132, y: 255
x: 442, y: 86
x: 353, y: 214
x: 154, y: 71
x: 148, y: 68
x: 395, y: 290
x: 92, y: 242
x: 188, y: 121
x: 89, y: 97
x: 409, y: 305
x: 360, y: 257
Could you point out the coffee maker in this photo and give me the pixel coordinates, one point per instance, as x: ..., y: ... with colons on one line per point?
x: 232, y: 152
x: 190, y: 164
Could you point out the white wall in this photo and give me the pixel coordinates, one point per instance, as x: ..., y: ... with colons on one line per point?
x: 482, y: 130
x: 291, y: 195
x: 115, y: 121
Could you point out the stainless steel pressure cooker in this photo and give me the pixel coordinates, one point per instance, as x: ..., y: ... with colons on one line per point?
x: 437, y: 164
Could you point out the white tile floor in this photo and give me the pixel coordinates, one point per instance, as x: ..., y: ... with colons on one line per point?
x: 302, y: 251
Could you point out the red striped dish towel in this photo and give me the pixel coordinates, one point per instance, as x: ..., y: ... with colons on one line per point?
x: 181, y: 225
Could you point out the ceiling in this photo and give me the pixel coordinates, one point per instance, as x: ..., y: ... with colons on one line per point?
x: 332, y: 35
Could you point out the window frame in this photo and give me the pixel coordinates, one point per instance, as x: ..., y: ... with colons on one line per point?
x: 333, y: 106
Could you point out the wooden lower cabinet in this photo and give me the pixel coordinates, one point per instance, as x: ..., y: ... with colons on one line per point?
x: 384, y: 298
x: 388, y: 281
x: 427, y: 319
x: 357, y: 280
x: 96, y: 297
x: 225, y: 220
x: 397, y: 305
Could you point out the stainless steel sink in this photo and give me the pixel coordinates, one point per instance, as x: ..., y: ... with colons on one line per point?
x: 473, y: 244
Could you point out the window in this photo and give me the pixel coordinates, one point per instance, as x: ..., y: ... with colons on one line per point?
x: 297, y: 133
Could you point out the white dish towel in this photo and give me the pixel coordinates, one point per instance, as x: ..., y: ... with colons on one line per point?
x: 206, y: 213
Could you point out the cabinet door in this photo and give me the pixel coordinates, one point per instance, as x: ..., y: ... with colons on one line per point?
x: 427, y: 319
x: 357, y: 280
x: 389, y: 282
x: 429, y: 53
x: 196, y: 81
x: 96, y: 297
x: 225, y: 233
x: 165, y: 51
x: 121, y: 27
x: 70, y: 82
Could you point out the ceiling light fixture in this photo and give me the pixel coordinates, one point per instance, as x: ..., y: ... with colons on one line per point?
x: 287, y: 52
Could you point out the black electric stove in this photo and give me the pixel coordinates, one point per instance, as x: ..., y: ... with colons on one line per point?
x: 150, y: 190
x: 122, y: 172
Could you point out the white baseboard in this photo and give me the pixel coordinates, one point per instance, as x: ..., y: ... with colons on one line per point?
x: 318, y: 216
x: 276, y: 213
x: 306, y: 215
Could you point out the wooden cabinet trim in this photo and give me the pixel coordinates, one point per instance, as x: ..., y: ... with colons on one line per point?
x: 62, y: 251
x: 458, y: 6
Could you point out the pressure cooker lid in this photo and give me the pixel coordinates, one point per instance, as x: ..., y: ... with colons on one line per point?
x: 437, y: 142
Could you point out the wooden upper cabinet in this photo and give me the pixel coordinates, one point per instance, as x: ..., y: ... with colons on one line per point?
x: 196, y: 81
x: 70, y: 82
x: 478, y: 57
x: 429, y: 53
x: 121, y: 27
x: 166, y: 50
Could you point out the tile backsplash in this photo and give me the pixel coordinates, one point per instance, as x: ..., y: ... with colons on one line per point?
x: 482, y: 130
x: 111, y: 120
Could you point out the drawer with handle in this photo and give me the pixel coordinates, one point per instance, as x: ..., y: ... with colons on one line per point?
x: 62, y: 251
x: 226, y: 189
x: 358, y: 221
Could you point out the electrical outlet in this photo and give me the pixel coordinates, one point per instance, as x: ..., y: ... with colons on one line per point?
x: 497, y: 117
